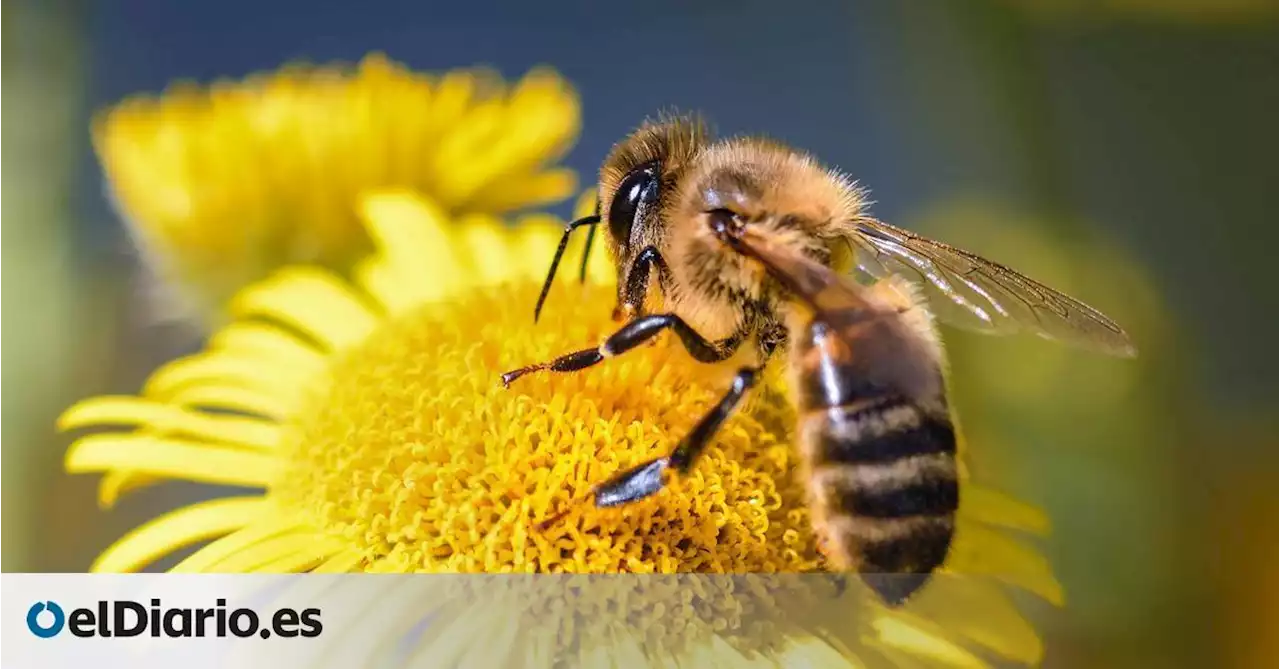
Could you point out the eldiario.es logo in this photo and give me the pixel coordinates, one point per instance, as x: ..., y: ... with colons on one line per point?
x: 125, y: 618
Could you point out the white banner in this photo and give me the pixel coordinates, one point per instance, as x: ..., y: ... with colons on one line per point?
x: 368, y: 620
x: 81, y: 620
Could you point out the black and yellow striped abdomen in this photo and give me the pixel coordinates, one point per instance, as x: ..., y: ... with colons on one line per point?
x: 881, y: 458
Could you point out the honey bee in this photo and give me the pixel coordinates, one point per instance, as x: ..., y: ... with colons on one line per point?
x: 754, y: 247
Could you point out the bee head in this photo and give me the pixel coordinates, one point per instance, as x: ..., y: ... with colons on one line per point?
x: 636, y: 182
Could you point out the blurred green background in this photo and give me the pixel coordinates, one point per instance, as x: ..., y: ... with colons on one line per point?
x: 1118, y: 150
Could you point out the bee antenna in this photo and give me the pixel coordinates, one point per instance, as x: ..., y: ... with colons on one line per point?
x: 586, y: 254
x: 592, y: 221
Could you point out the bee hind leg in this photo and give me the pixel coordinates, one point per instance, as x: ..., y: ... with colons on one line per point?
x: 649, y: 477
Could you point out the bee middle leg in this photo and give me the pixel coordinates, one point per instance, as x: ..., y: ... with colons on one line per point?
x: 649, y: 477
x: 632, y: 335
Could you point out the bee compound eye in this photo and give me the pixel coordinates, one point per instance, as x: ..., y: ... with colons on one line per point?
x: 638, y: 189
x: 723, y: 221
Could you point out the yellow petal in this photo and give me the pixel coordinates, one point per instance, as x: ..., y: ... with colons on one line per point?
x: 171, y: 458
x: 892, y: 657
x: 256, y: 339
x: 532, y: 189
x: 981, y: 550
x: 392, y: 292
x: 264, y: 529
x: 534, y: 244
x: 273, y: 555
x: 814, y: 652
x: 491, y: 258
x: 230, y: 398
x: 995, y: 508
x: 177, y: 529
x: 915, y: 639
x: 311, y: 300
x: 300, y: 562
x: 969, y: 607
x: 449, y: 102
x: 468, y: 168
x: 115, y: 484
x: 340, y: 563
x: 160, y: 417
x: 411, y: 235
x: 218, y: 369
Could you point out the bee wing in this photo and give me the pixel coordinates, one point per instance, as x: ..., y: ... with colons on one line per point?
x: 968, y: 291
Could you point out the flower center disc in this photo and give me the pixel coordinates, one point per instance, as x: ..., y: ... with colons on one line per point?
x: 414, y: 452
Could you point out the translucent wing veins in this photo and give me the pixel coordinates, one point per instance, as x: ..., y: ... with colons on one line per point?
x: 966, y: 290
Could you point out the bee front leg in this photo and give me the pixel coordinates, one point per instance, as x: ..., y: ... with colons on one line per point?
x: 632, y: 335
x: 649, y: 477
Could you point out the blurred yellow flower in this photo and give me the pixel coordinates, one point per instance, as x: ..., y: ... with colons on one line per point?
x: 370, y: 413
x: 220, y: 185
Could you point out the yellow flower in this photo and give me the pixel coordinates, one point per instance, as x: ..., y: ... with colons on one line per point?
x: 371, y: 415
x: 220, y: 185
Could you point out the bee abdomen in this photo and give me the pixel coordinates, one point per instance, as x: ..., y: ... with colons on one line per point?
x: 875, y: 432
x: 896, y: 558
x: 885, y: 488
